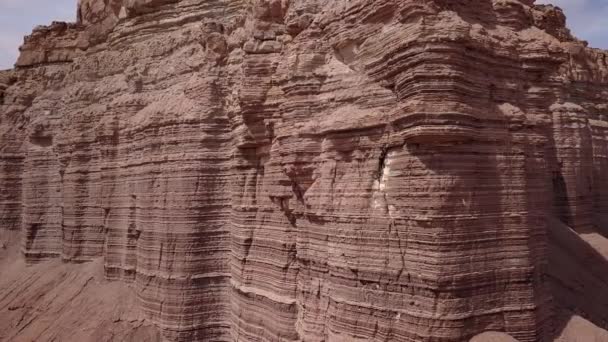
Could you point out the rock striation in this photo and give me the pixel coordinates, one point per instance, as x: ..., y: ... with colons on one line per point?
x: 315, y: 170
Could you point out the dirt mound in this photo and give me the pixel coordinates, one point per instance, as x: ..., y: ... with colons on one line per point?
x: 492, y: 336
x: 578, y: 280
x: 55, y: 301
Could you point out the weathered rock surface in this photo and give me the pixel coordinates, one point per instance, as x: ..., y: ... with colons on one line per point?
x: 310, y: 170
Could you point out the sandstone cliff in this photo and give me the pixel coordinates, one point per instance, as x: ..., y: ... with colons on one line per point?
x: 307, y: 170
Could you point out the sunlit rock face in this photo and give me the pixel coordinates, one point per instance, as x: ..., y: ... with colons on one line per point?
x: 309, y: 170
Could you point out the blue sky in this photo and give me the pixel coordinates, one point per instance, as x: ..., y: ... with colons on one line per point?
x: 19, y: 17
x: 588, y: 19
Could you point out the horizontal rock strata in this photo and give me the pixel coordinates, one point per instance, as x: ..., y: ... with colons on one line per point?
x: 311, y: 170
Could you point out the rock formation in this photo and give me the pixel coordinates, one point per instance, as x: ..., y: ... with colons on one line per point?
x: 315, y: 170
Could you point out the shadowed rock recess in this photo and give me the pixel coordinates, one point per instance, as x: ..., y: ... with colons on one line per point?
x: 305, y: 170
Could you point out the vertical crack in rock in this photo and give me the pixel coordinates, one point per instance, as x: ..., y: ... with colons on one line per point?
x: 381, y: 182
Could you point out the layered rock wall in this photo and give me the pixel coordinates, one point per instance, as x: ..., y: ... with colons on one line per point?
x: 309, y: 170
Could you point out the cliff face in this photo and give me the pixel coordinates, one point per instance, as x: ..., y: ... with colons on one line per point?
x: 315, y: 170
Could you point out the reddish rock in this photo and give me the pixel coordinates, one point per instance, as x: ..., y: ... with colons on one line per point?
x: 311, y: 170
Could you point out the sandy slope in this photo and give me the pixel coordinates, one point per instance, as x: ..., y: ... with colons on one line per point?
x: 578, y: 273
x: 54, y: 301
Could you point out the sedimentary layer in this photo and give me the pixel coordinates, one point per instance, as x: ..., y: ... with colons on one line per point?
x: 312, y: 170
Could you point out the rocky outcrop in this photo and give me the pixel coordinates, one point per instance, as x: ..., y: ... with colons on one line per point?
x: 311, y: 170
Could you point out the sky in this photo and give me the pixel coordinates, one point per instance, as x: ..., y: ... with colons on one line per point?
x: 19, y: 17
x: 588, y: 20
